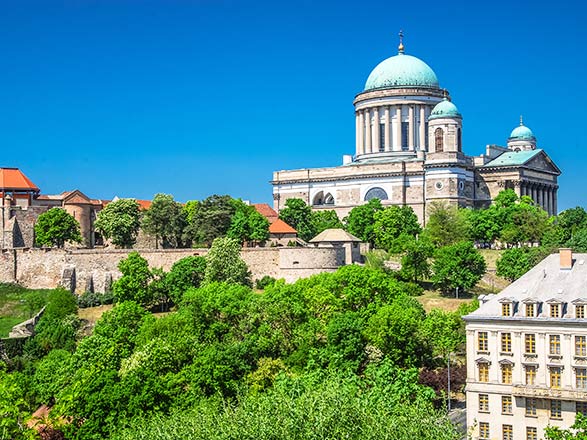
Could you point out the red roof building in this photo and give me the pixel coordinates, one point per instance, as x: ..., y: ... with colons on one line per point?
x: 266, y: 211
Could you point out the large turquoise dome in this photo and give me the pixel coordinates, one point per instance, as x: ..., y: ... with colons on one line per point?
x: 445, y: 109
x: 522, y: 132
x: 401, y: 71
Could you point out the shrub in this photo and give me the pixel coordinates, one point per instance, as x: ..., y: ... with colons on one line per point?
x: 264, y: 282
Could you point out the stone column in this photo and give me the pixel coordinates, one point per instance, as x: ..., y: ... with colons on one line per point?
x: 540, y: 196
x: 375, y: 142
x: 552, y: 192
x: 397, y: 146
x: 555, y: 200
x: 422, y: 143
x: 361, y: 134
x: 367, y: 131
x: 387, y: 129
x: 533, y: 191
x: 357, y: 125
x: 411, y: 127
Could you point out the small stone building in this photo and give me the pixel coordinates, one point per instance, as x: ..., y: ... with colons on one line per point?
x: 339, y: 238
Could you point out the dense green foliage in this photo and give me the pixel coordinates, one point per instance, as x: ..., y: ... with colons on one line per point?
x: 299, y: 216
x: 457, y: 266
x: 55, y: 227
x: 361, y: 219
x: 394, y: 227
x: 119, y: 221
x: 446, y: 224
x: 223, y: 263
x: 209, y: 219
x: 184, y: 274
x: 578, y: 430
x: 165, y: 220
x: 247, y: 224
x: 332, y: 356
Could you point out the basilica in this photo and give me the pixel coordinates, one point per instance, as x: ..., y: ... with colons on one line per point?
x: 409, y: 152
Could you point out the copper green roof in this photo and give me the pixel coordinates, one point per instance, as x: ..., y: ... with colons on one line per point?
x: 513, y: 158
x: 401, y: 71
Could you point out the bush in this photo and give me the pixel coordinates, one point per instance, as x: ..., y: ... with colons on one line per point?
x: 94, y: 299
x: 264, y: 282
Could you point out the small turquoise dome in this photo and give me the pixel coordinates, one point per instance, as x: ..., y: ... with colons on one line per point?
x: 399, y: 71
x: 522, y: 132
x: 445, y: 109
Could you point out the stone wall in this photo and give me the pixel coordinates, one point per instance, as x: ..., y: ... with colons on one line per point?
x: 92, y: 269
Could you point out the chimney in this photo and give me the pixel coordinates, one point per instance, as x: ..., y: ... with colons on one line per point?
x: 566, y: 258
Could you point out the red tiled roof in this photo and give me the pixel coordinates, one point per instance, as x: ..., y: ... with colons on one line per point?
x: 144, y: 204
x: 266, y: 211
x: 14, y: 179
x: 281, y: 227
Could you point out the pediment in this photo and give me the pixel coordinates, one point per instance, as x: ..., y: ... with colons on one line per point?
x: 542, y: 162
x: 76, y: 197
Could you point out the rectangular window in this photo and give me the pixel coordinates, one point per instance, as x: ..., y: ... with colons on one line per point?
x: 506, y: 373
x: 530, y: 344
x: 555, y: 344
x: 531, y: 433
x: 483, y: 431
x: 482, y: 344
x: 506, y: 309
x: 483, y: 372
x: 483, y: 403
x: 530, y: 375
x: 555, y: 409
x: 581, y: 378
x: 381, y: 137
x: 555, y: 377
x: 530, y: 406
x: 580, y: 346
x: 506, y: 342
x: 530, y: 310
x: 506, y: 404
x: 580, y: 311
x: 581, y: 408
x: 405, y: 130
x: 507, y: 432
x: 555, y: 310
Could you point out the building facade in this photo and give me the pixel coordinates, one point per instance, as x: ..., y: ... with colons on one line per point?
x: 408, y: 151
x: 527, y: 353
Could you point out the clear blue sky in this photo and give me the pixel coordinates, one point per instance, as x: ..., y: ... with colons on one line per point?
x: 192, y: 98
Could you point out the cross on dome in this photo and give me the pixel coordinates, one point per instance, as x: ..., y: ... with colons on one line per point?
x: 400, y: 48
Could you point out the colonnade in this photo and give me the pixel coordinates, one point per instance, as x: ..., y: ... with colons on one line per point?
x: 368, y: 130
x: 543, y: 194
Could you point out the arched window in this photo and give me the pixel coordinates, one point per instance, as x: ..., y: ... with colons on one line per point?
x: 376, y: 193
x: 439, y: 140
x: 328, y: 199
x: 318, y: 198
x: 459, y: 140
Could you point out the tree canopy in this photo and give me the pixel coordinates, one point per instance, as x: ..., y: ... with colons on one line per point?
x: 165, y: 220
x: 360, y: 221
x: 56, y: 227
x: 119, y: 221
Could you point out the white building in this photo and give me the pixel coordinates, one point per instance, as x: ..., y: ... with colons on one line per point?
x: 527, y: 353
x: 409, y: 151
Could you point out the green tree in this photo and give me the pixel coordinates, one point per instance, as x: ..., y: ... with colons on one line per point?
x: 394, y: 227
x: 446, y: 224
x: 134, y: 283
x: 578, y: 430
x: 514, y: 263
x: 395, y: 330
x: 55, y: 227
x: 578, y: 241
x: 258, y: 227
x: 457, y: 266
x: 184, y: 274
x: 299, y: 216
x: 165, y: 220
x: 120, y: 222
x: 323, y: 220
x: 223, y: 263
x: 415, y: 262
x: 210, y: 219
x: 444, y: 332
x: 13, y: 409
x: 360, y: 220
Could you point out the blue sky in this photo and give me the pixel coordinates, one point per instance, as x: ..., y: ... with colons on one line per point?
x: 192, y: 98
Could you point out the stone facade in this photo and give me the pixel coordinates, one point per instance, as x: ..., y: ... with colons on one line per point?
x: 527, y: 353
x: 83, y: 269
x: 409, y: 152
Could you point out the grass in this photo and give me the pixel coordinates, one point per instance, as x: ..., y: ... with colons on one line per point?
x: 18, y: 304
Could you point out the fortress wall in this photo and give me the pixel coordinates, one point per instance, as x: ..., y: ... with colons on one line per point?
x: 94, y: 269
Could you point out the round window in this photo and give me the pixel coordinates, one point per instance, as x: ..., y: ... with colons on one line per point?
x: 438, y: 185
x: 461, y: 185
